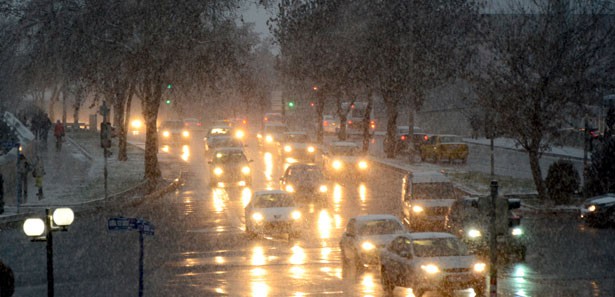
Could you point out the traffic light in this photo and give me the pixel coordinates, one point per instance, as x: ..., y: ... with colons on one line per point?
x: 312, y: 104
x: 169, y: 86
x: 291, y: 104
x: 168, y: 101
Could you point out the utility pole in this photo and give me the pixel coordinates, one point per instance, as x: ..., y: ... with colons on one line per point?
x: 493, y: 254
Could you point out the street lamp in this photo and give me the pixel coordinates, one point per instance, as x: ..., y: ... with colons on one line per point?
x: 41, y: 230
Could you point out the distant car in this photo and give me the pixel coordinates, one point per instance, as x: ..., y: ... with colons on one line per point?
x: 193, y: 124
x: 599, y: 211
x: 444, y: 147
x: 426, y: 197
x: 305, y: 181
x: 297, y: 145
x: 271, y: 134
x: 273, y: 117
x: 219, y: 130
x: 403, y: 139
x: 220, y: 141
x: 329, y: 124
x: 366, y: 235
x: 272, y: 211
x: 344, y: 158
x: 229, y: 167
x: 431, y: 261
x: 173, y: 132
x: 137, y: 127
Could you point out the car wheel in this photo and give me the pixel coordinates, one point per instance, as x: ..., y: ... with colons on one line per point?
x: 387, y: 284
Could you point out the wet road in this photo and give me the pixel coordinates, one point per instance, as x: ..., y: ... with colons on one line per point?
x: 200, y: 248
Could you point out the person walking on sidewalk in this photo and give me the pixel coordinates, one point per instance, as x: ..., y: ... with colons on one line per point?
x: 38, y: 173
x: 58, y: 132
x: 23, y: 168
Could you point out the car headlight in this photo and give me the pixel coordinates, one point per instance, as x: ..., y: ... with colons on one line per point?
x: 417, y: 208
x: 591, y: 208
x: 269, y: 138
x: 245, y: 170
x: 430, y: 268
x: 367, y: 246
x: 185, y: 134
x: 257, y: 216
x: 517, y: 231
x: 323, y: 189
x: 240, y: 134
x: 362, y: 165
x: 165, y: 134
x: 295, y: 215
x: 289, y: 188
x: 218, y: 171
x: 480, y: 267
x: 473, y: 233
x: 136, y: 124
x: 337, y: 164
x: 287, y: 148
x: 311, y: 149
x: 259, y: 135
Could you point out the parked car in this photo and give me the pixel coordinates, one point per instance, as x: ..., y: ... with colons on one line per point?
x: 426, y: 199
x: 599, y: 211
x: 403, y: 139
x: 444, y: 147
x: 366, y: 235
x: 305, y: 181
x: 272, y: 211
x: 431, y: 261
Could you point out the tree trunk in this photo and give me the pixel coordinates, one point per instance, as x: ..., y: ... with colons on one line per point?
x: 367, y: 122
x: 320, y: 108
x: 52, y: 100
x: 151, y: 104
x: 122, y: 155
x: 411, y: 148
x: 392, y: 113
x: 537, y: 173
x: 343, y: 116
x: 64, y: 105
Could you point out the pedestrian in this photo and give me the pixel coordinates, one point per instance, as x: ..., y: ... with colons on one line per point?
x: 58, y: 132
x: 38, y: 172
x: 23, y: 168
x: 7, y: 281
x: 46, y: 126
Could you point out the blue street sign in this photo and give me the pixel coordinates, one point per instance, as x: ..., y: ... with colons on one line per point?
x: 122, y: 224
x: 145, y: 227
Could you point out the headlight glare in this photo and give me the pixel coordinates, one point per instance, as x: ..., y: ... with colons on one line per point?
x: 517, y: 231
x: 295, y: 215
x: 218, y: 171
x: 257, y: 216
x: 311, y: 149
x: 430, y: 268
x: 367, y: 246
x: 480, y: 267
x: 245, y: 170
x: 363, y: 165
x: 165, y: 134
x: 323, y: 189
x: 473, y: 233
x: 269, y: 138
x: 185, y: 134
x: 337, y: 164
x: 288, y: 149
x: 417, y: 208
x: 289, y: 188
x: 592, y: 208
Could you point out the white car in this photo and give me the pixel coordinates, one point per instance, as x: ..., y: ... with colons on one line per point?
x: 329, y: 124
x: 272, y: 211
x: 366, y: 235
x: 345, y: 158
x: 431, y: 261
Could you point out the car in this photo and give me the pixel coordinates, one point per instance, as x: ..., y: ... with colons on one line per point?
x: 599, y: 211
x: 431, y: 261
x: 193, y: 124
x: 444, y: 147
x: 426, y: 199
x: 297, y: 145
x: 402, y: 139
x: 230, y: 167
x: 137, y: 127
x: 344, y: 158
x: 218, y: 141
x: 365, y: 235
x: 272, y: 211
x: 273, y: 118
x: 173, y: 132
x: 270, y: 135
x: 329, y: 124
x: 305, y: 181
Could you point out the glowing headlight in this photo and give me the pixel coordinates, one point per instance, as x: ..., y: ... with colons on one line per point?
x: 136, y: 124
x: 517, y: 231
x: 288, y: 149
x: 430, y: 268
x: 257, y: 216
x: 165, y: 134
x: 323, y: 189
x: 218, y: 171
x: 269, y: 138
x: 367, y: 246
x: 337, y: 164
x: 417, y: 208
x: 473, y: 233
x: 240, y: 134
x: 311, y: 149
x: 362, y: 165
x: 185, y: 134
x: 592, y: 208
x: 480, y: 267
x: 259, y: 135
x: 245, y: 170
x: 289, y: 188
x: 295, y: 215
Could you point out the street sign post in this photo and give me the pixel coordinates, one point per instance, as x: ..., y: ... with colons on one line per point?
x: 127, y: 224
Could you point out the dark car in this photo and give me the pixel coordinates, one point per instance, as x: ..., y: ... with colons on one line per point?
x: 173, y: 132
x: 305, y: 180
x: 297, y: 145
x: 230, y: 167
x: 599, y: 211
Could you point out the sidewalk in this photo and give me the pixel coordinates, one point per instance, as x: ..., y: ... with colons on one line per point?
x: 507, y: 143
x: 74, y: 175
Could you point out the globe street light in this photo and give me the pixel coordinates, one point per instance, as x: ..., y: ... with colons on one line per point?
x: 41, y: 230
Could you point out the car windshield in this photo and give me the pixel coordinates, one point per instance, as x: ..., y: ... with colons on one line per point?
x: 224, y: 141
x: 275, y: 129
x: 439, y: 247
x: 273, y: 200
x: 300, y: 138
x: 311, y: 172
x: 378, y: 227
x: 229, y: 157
x: 344, y: 150
x: 433, y: 191
x: 172, y: 125
x: 219, y: 131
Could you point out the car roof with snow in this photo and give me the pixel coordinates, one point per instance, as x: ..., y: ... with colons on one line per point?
x: 344, y: 143
x: 430, y: 235
x: 267, y: 192
x: 375, y: 217
x: 602, y: 199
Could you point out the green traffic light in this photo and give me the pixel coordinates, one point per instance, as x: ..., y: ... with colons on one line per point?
x: 168, y: 101
x: 169, y: 86
x: 291, y: 104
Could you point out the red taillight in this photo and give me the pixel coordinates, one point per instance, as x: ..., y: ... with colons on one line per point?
x: 349, y: 122
x: 266, y: 119
x: 198, y: 124
x: 403, y: 137
x: 245, y: 122
x: 425, y: 137
x: 325, y: 123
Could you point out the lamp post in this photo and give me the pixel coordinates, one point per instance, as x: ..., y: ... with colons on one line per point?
x: 41, y: 230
